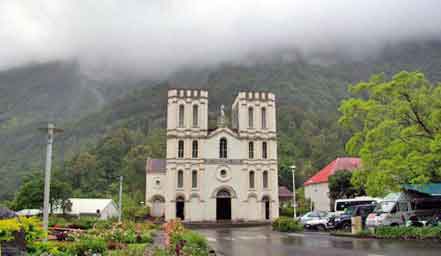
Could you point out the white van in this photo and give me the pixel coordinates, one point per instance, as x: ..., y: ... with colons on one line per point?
x: 397, y: 208
x: 341, y: 204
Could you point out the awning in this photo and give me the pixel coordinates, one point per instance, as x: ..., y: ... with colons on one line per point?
x: 431, y: 189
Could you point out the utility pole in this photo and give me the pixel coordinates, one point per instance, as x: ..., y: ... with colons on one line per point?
x: 51, y: 130
x: 293, y: 169
x: 120, y: 198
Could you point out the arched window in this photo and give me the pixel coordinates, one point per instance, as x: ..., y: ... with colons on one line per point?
x: 264, y: 150
x: 265, y: 179
x: 251, y: 181
x: 180, y: 149
x: 194, y: 179
x: 263, y: 111
x: 195, y: 116
x: 250, y: 117
x: 250, y: 150
x: 180, y: 179
x: 223, y: 148
x: 181, y: 116
x: 195, y: 149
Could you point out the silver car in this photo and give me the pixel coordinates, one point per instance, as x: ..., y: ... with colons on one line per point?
x: 315, y: 220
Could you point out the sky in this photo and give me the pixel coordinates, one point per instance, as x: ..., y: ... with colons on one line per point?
x: 156, y: 37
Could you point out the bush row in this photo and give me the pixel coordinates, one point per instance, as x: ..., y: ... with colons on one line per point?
x: 286, y: 224
x: 408, y: 232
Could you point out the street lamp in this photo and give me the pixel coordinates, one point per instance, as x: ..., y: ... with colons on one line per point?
x: 120, y: 198
x: 51, y: 130
x: 293, y: 169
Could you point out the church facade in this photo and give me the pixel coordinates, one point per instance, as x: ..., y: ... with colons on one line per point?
x: 225, y: 173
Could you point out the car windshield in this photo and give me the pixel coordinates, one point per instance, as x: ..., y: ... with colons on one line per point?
x: 385, y: 206
x: 349, y: 211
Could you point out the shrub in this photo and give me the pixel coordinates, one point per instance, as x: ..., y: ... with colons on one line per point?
x: 7, y: 229
x: 50, y: 248
x: 408, y: 232
x: 195, y: 244
x: 287, y: 211
x: 83, y: 222
x: 58, y: 222
x: 31, y: 227
x: 192, y: 243
x: 132, y: 250
x: 285, y: 224
x: 88, y: 245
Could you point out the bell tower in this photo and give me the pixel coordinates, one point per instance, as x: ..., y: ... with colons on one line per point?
x: 187, y: 117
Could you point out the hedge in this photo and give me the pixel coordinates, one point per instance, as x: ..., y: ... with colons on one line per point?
x: 286, y: 224
x: 408, y: 232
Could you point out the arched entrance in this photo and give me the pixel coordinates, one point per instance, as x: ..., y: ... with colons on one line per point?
x: 223, y: 205
x: 180, y: 207
x: 158, y: 206
x: 266, y: 205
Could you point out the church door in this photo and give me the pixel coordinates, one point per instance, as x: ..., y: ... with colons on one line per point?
x: 223, y: 205
x: 158, y: 207
x: 180, y: 208
x: 266, y: 203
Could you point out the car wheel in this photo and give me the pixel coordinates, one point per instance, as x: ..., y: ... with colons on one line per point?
x: 321, y: 228
x: 346, y: 226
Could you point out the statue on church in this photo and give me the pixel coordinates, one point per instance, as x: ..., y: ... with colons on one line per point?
x: 222, y: 111
x: 221, y: 121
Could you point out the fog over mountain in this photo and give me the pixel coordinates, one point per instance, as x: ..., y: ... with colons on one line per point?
x: 154, y: 38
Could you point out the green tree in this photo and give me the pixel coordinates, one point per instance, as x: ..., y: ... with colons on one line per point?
x: 340, y: 186
x: 30, y: 194
x: 396, y: 127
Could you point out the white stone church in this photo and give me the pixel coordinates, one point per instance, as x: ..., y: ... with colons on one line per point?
x: 226, y: 173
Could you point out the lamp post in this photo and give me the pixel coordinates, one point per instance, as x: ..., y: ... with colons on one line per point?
x: 120, y: 198
x: 51, y: 130
x: 293, y: 169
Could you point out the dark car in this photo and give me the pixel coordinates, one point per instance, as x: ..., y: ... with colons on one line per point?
x: 344, y: 220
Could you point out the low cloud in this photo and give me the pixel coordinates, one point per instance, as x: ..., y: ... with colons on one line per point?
x: 156, y: 37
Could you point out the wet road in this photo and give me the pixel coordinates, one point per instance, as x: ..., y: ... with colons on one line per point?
x: 260, y: 241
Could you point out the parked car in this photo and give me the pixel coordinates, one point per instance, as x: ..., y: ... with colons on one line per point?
x: 341, y: 204
x: 433, y: 221
x: 344, y: 220
x: 402, y: 208
x: 315, y: 220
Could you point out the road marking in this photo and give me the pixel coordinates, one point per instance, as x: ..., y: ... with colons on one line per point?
x: 370, y: 254
x: 246, y: 237
x: 210, y: 239
x: 295, y: 234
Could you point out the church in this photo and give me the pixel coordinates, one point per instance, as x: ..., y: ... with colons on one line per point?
x: 228, y: 172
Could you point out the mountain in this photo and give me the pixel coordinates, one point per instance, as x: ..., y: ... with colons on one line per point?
x: 308, y: 94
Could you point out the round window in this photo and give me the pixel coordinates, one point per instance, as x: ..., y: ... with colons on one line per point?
x: 223, y: 174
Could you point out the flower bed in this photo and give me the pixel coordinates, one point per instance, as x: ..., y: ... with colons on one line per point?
x: 180, y: 241
x: 104, y: 238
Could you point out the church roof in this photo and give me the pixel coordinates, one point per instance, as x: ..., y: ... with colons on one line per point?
x: 339, y: 164
x: 156, y: 165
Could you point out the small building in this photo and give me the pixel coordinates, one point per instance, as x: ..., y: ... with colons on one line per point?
x: 316, y: 187
x: 285, y: 196
x: 102, y: 208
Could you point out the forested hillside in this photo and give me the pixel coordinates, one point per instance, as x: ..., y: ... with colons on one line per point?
x: 307, y: 95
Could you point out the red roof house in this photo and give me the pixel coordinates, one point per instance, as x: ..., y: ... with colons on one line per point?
x: 339, y: 164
